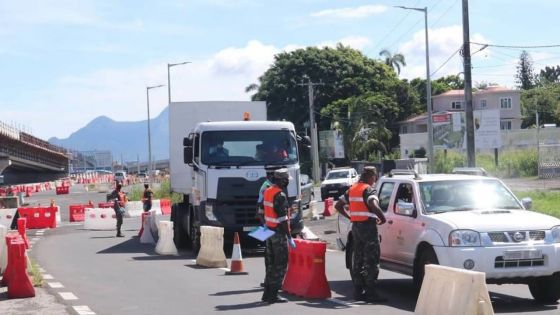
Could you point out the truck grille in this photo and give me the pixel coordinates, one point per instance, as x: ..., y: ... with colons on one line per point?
x: 516, y: 236
x: 237, y: 201
x: 501, y: 263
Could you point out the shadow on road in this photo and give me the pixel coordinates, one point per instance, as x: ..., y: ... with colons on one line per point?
x: 503, y: 303
x: 226, y: 293
x: 242, y: 306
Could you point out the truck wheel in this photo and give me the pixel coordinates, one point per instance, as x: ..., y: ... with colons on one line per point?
x: 546, y: 290
x: 194, y: 237
x: 427, y: 256
x: 180, y: 237
x: 349, y: 253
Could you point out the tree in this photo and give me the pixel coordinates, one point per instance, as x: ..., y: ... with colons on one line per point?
x: 394, y: 61
x: 525, y: 78
x: 545, y: 100
x: 439, y: 86
x: 549, y: 75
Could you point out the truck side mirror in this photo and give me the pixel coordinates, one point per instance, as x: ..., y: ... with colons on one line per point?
x: 187, y: 142
x: 187, y: 155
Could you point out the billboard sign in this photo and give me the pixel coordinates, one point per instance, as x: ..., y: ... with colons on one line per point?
x: 331, y: 143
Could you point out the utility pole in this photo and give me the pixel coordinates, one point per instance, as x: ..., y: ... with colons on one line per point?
x: 538, y: 144
x: 471, y: 159
x: 316, y: 174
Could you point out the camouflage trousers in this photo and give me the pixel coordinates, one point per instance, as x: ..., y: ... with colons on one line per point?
x: 365, y: 255
x: 276, y: 259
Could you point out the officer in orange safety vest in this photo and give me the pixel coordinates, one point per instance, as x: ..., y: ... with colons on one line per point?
x: 276, y: 217
x: 365, y: 214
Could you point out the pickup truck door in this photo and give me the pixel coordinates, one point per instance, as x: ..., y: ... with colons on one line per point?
x: 385, y: 194
x: 406, y: 227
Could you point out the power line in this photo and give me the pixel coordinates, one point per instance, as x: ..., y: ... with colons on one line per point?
x: 444, y: 13
x: 518, y: 46
x: 445, y: 62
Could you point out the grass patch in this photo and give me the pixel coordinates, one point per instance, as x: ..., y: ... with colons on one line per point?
x: 36, y: 276
x: 543, y: 201
x: 163, y: 192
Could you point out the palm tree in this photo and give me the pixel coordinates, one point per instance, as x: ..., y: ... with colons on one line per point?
x: 395, y: 61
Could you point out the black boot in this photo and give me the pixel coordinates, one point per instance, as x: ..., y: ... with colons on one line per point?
x: 265, y: 295
x: 373, y: 297
x: 359, y: 294
x: 274, y: 298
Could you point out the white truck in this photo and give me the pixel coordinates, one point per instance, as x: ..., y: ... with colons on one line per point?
x: 218, y: 161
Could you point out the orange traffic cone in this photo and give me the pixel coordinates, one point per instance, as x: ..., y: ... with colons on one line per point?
x: 236, y: 259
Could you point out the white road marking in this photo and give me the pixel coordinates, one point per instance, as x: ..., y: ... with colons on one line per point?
x: 35, y: 239
x: 332, y: 250
x: 47, y: 277
x: 83, y: 310
x: 68, y: 296
x: 341, y: 302
x: 225, y: 269
x: 55, y: 285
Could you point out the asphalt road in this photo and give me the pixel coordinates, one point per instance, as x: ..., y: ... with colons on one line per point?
x: 121, y: 276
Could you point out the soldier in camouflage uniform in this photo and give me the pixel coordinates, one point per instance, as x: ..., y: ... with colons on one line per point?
x: 365, y: 214
x: 276, y: 216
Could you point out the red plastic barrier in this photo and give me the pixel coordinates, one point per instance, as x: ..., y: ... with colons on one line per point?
x: 144, y: 215
x: 7, y: 275
x: 105, y: 205
x: 76, y: 212
x: 306, y: 271
x: 62, y: 190
x: 329, y: 207
x: 40, y: 217
x: 21, y: 226
x: 165, y: 205
x: 19, y: 285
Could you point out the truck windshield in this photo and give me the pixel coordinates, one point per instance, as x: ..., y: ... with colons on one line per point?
x: 465, y: 195
x: 248, y: 147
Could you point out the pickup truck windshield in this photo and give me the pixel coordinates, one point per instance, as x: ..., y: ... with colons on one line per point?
x: 338, y: 175
x: 248, y: 147
x: 465, y: 195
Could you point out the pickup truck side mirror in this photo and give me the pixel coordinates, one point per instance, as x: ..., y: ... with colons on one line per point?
x: 527, y: 203
x: 406, y: 208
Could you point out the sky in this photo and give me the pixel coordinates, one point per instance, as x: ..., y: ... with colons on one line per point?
x: 66, y: 62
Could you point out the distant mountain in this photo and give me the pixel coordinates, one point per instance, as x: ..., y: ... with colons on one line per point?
x: 121, y: 137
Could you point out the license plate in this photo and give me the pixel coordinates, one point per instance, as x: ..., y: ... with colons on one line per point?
x: 249, y: 228
x: 522, y: 254
x: 333, y: 191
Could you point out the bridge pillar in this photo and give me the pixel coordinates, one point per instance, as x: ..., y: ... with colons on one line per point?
x: 4, y: 163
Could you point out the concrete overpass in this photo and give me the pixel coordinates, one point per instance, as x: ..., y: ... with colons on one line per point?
x: 133, y: 167
x: 26, y: 159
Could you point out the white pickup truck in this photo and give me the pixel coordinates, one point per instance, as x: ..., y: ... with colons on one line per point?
x: 468, y: 222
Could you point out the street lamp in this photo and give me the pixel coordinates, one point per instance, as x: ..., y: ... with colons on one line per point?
x: 169, y: 65
x: 148, y: 88
x: 428, y: 89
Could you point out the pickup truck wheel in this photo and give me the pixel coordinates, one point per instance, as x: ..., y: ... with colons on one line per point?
x: 194, y: 237
x: 426, y: 257
x: 546, y: 290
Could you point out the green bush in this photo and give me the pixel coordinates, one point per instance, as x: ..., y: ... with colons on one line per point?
x: 444, y: 163
x: 163, y: 192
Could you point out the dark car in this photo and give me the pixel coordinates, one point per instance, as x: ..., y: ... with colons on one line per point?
x: 307, y: 191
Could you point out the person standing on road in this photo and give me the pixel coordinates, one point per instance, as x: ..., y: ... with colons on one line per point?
x: 120, y: 201
x: 147, y: 198
x: 276, y: 217
x: 260, y: 208
x: 365, y: 214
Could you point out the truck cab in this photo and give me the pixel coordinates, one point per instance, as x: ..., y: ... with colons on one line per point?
x: 227, y: 163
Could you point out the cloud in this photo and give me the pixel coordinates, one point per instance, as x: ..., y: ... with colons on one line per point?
x: 253, y: 57
x: 350, y: 13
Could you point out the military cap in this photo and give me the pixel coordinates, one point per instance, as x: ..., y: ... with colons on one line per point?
x: 370, y: 170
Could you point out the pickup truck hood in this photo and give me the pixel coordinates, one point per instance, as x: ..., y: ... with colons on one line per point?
x: 336, y: 181
x: 497, y: 220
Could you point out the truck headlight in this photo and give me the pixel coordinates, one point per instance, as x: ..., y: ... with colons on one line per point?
x: 209, y: 211
x: 555, y: 234
x: 464, y: 238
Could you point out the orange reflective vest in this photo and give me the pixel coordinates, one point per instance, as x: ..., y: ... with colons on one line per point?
x: 270, y: 217
x: 359, y: 210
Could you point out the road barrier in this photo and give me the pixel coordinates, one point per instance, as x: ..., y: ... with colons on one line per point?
x: 100, y: 219
x: 76, y: 212
x: 329, y: 207
x: 105, y: 205
x: 133, y: 209
x: 165, y: 244
x: 147, y: 228
x: 165, y: 205
x: 7, y: 217
x: 447, y: 290
x: 305, y: 276
x: 39, y: 217
x: 211, y: 247
x: 7, y: 272
x: 3, y: 248
x: 62, y: 190
x: 19, y: 282
x: 21, y: 224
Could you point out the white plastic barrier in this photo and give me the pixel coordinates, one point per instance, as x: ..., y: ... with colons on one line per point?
x: 165, y: 245
x: 7, y: 217
x: 3, y: 248
x: 100, y: 219
x: 147, y: 237
x: 153, y: 224
x: 133, y: 209
x: 447, y: 290
x: 57, y: 215
x: 156, y: 206
x: 211, y: 247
